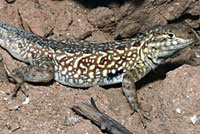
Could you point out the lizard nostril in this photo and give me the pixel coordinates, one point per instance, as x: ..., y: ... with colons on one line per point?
x: 190, y: 32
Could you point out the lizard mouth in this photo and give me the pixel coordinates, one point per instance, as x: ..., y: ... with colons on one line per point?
x: 181, y: 45
x: 184, y: 45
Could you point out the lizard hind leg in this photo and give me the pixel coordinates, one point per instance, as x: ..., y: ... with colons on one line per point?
x: 16, y: 76
x: 130, y: 93
x: 19, y: 79
x: 40, y: 70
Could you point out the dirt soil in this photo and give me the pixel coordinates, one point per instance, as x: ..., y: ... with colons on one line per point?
x: 170, y: 94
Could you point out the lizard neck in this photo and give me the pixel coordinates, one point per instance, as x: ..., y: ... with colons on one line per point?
x: 143, y: 62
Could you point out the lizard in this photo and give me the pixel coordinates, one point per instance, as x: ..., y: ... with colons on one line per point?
x: 78, y: 63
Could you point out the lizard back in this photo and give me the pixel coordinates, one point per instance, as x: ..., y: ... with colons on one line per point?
x: 83, y: 64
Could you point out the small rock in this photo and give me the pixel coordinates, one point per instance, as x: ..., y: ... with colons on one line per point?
x: 70, y: 121
x: 194, y: 119
x: 178, y: 110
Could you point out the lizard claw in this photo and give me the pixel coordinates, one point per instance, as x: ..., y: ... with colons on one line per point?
x: 143, y: 115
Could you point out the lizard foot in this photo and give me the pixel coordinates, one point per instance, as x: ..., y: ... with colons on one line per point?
x: 19, y: 79
x: 143, y: 115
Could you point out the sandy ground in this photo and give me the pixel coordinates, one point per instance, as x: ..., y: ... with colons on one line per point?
x: 171, y: 96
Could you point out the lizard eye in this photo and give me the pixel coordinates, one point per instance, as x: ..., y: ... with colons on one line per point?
x: 171, y: 35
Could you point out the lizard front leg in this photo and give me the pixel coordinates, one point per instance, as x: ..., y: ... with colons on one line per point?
x: 40, y: 70
x: 130, y: 93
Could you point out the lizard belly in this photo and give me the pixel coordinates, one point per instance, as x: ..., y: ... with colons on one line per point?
x: 80, y: 82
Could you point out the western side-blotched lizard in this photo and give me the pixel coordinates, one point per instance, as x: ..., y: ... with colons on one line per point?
x: 78, y: 63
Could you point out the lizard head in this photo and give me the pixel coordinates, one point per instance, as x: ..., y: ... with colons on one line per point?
x: 162, y: 42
